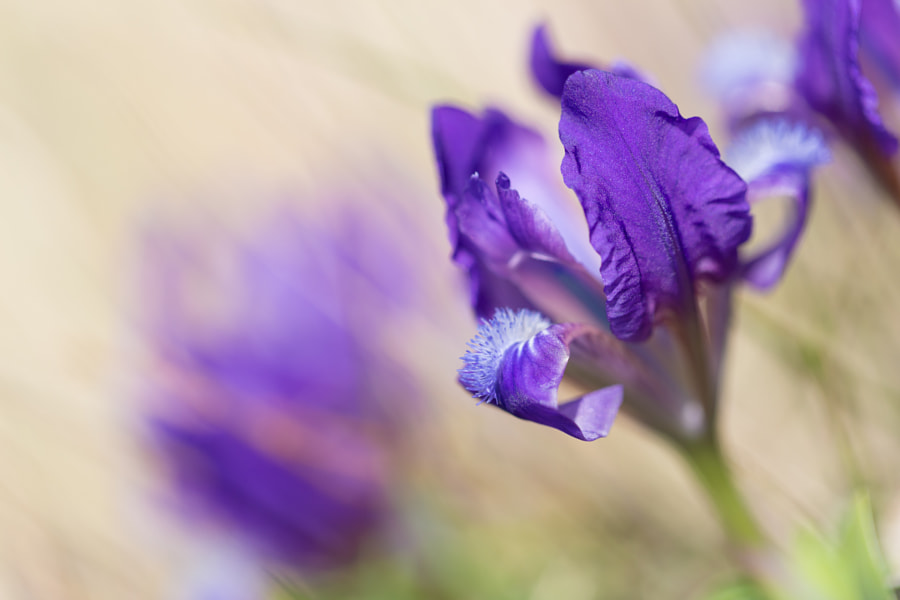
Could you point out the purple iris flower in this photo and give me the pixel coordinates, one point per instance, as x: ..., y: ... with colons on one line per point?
x: 776, y: 139
x: 605, y: 283
x: 269, y: 411
x: 832, y: 82
x: 818, y: 83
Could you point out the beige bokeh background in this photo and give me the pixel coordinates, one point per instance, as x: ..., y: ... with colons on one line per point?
x: 113, y: 111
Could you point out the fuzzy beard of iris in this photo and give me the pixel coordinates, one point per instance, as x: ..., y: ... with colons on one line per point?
x: 495, y: 337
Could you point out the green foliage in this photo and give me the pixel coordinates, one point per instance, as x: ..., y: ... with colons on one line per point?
x: 849, y: 567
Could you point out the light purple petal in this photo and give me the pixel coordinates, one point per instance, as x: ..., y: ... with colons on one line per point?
x: 750, y: 72
x: 765, y: 268
x: 529, y: 225
x: 551, y: 73
x: 830, y: 78
x: 662, y: 208
x: 517, y: 362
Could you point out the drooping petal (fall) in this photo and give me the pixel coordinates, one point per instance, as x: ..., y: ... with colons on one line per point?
x: 517, y: 361
x: 776, y: 157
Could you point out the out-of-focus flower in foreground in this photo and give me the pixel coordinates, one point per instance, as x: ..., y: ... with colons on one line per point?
x: 270, y: 397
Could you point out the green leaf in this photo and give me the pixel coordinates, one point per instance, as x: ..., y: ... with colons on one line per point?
x: 849, y: 567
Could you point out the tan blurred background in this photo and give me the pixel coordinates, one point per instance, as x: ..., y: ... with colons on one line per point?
x: 113, y: 111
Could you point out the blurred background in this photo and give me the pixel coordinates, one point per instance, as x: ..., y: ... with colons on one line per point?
x: 208, y: 116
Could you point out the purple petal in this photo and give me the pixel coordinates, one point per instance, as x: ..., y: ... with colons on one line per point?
x: 464, y: 145
x: 662, y: 208
x: 287, y: 512
x: 776, y: 157
x: 529, y: 225
x: 268, y: 409
x: 765, y: 268
x: 880, y: 36
x: 551, y: 73
x: 517, y: 362
x: 830, y: 78
x: 514, y: 241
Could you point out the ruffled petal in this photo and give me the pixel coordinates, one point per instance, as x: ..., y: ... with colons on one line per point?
x: 517, y: 362
x: 662, y: 208
x: 830, y: 77
x: 776, y: 157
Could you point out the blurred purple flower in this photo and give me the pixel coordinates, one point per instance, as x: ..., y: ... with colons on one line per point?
x: 777, y: 140
x: 270, y: 407
x: 830, y: 77
x: 818, y: 83
x: 660, y: 217
x: 831, y: 80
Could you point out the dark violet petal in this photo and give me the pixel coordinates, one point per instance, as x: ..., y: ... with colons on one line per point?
x: 880, y: 36
x: 484, y: 249
x: 550, y: 72
x: 517, y: 362
x: 465, y: 144
x: 662, y: 208
x: 287, y: 512
x: 482, y: 224
x: 776, y: 157
x: 829, y: 76
x: 487, y: 290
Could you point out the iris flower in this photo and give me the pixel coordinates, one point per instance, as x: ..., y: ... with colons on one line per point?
x: 625, y: 285
x: 818, y: 83
x: 268, y: 409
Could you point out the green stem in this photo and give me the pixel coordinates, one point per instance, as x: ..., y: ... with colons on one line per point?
x: 708, y: 464
x: 749, y: 547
